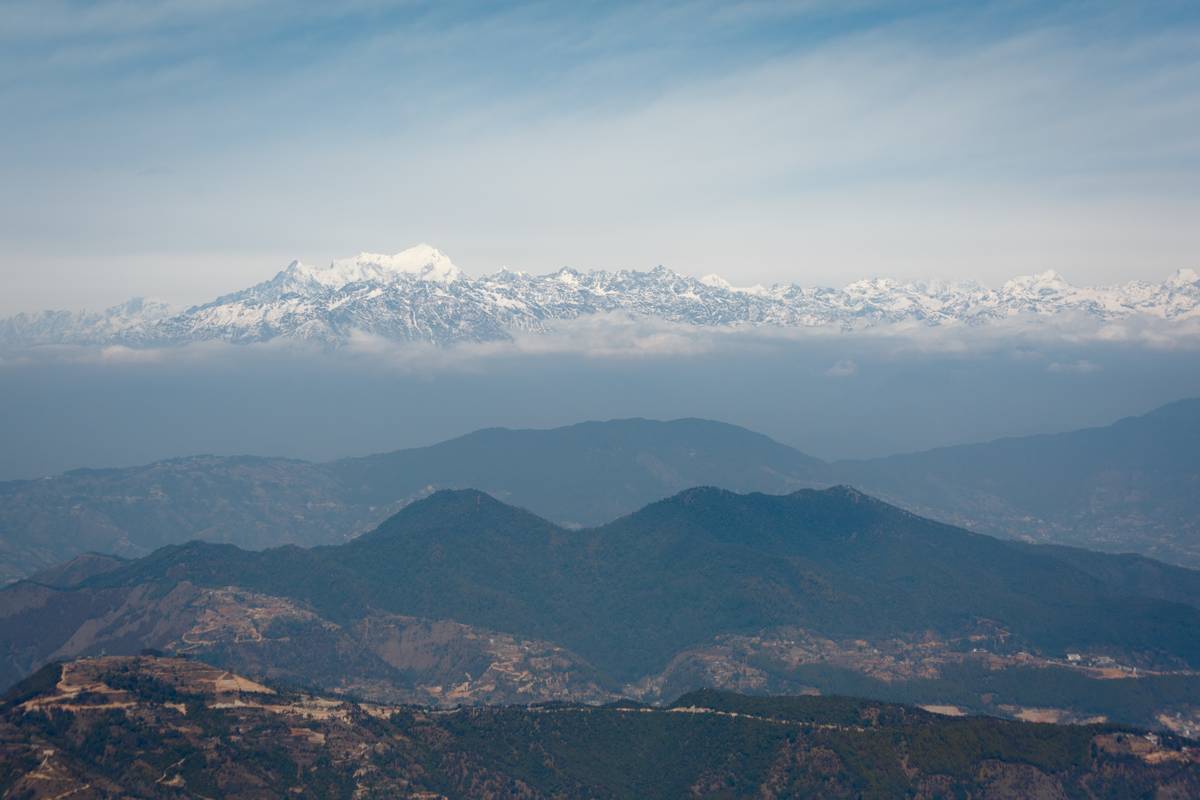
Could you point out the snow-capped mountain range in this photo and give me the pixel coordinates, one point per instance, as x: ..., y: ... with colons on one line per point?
x: 419, y: 295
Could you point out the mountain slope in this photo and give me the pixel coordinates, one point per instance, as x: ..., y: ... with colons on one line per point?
x: 1133, y: 485
x: 255, y: 502
x: 205, y: 732
x: 419, y: 295
x: 587, y: 473
x: 580, y: 474
x: 698, y: 564
x: 707, y: 588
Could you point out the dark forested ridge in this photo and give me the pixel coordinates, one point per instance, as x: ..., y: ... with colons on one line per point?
x: 1132, y: 486
x: 629, y: 594
x: 584, y: 474
x: 814, y: 589
x: 151, y: 726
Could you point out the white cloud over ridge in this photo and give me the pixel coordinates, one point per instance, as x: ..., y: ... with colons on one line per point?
x: 615, y: 337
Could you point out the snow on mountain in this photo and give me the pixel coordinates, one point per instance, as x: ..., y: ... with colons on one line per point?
x: 424, y: 262
x: 420, y: 295
x: 131, y: 318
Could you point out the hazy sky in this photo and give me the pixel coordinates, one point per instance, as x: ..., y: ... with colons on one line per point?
x: 182, y: 148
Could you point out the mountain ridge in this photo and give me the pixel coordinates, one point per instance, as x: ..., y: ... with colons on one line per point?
x: 216, y: 733
x: 461, y: 598
x: 771, y: 530
x: 1132, y: 486
x: 1107, y: 487
x: 419, y: 295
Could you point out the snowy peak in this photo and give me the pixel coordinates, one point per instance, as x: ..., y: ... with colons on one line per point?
x: 421, y: 262
x: 144, y: 307
x: 419, y: 295
x: 715, y: 281
x: 1185, y: 279
x: 1041, y: 284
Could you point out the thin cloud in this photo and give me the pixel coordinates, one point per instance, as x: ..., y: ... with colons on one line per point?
x: 843, y: 368
x: 1081, y: 367
x: 614, y: 337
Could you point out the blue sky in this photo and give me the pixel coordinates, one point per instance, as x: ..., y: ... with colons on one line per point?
x: 182, y: 148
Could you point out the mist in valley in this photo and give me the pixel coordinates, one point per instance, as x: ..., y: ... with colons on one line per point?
x: 846, y: 397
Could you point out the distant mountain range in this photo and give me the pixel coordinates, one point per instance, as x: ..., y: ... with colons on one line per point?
x: 459, y: 598
x: 418, y: 295
x: 584, y: 474
x: 204, y: 732
x: 1132, y: 486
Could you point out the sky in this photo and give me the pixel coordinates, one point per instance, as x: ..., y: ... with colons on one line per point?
x: 184, y: 148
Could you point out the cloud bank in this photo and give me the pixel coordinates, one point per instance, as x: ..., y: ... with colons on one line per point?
x: 618, y: 337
